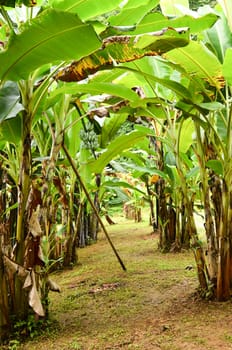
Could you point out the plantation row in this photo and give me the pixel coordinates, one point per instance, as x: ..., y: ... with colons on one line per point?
x: 108, y: 103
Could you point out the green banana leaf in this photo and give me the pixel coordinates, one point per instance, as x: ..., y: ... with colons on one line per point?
x: 216, y: 166
x: 71, y: 137
x: 110, y: 128
x: 133, y: 12
x: 10, y: 131
x: 115, y: 148
x: 219, y: 37
x: 227, y: 64
x: 86, y: 9
x: 96, y: 89
x: 186, y: 135
x: 9, y: 101
x: 172, y: 8
x: 198, y: 60
x: 156, y: 21
x: 125, y: 48
x: 121, y: 184
x: 180, y: 90
x: 53, y: 36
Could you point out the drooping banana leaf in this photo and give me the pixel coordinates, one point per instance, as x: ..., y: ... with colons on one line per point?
x: 156, y: 21
x: 198, y: 60
x: 96, y: 89
x: 115, y: 148
x: 125, y: 48
x: 53, y: 36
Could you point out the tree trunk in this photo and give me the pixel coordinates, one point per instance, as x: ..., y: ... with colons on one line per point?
x: 4, y: 307
x: 21, y: 303
x: 152, y: 208
x: 162, y: 215
x: 224, y: 254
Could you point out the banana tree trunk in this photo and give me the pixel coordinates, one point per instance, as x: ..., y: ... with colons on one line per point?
x: 21, y: 303
x: 202, y: 270
x: 205, y: 152
x: 224, y: 277
x: 151, y: 204
x: 224, y: 255
x: 162, y: 214
x: 4, y: 308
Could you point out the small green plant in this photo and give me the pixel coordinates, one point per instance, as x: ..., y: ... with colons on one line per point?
x: 228, y: 337
x: 75, y: 346
x: 13, y: 344
x: 30, y: 328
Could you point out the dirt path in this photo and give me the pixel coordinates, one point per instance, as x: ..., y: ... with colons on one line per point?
x: 151, y: 306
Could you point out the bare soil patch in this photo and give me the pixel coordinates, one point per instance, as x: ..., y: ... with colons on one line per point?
x: 152, y: 306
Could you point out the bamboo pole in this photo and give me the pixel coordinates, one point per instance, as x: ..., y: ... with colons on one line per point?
x: 92, y: 205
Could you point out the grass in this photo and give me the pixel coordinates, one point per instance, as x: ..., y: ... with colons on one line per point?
x: 151, y: 306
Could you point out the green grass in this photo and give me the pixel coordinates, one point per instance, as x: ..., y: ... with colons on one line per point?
x: 151, y: 306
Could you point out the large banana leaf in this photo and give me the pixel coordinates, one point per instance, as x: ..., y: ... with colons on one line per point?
x: 198, y: 60
x: 126, y: 48
x: 9, y: 101
x: 96, y: 89
x: 73, y: 129
x: 110, y: 127
x: 227, y: 72
x: 133, y: 12
x: 186, y: 135
x: 226, y: 6
x: 10, y: 131
x: 115, y: 148
x: 52, y: 36
x: 156, y: 21
x: 86, y: 9
x: 179, y: 89
x: 219, y: 37
x: 173, y: 8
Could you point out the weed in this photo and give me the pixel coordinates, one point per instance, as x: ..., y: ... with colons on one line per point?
x: 228, y: 337
x: 13, y: 344
x: 31, y: 328
x: 75, y: 346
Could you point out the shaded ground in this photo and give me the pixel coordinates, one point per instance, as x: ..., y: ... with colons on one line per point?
x: 151, y: 306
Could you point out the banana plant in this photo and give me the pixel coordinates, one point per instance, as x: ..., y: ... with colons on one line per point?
x: 31, y: 67
x: 191, y: 92
x: 207, y: 71
x: 36, y: 54
x: 27, y: 60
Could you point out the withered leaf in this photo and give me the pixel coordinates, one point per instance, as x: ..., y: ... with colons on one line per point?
x: 124, y: 48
